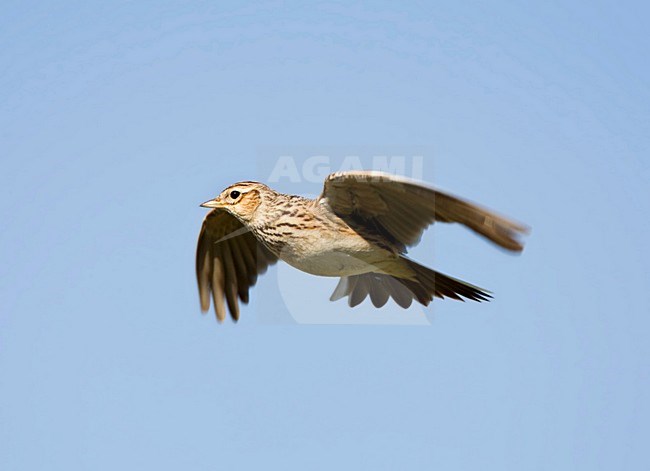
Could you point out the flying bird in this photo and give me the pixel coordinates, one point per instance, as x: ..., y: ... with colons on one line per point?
x: 358, y: 229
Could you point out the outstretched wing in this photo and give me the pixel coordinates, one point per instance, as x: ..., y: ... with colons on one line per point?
x: 228, y: 260
x: 401, y: 209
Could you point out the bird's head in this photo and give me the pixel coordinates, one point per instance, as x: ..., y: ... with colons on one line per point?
x: 241, y: 199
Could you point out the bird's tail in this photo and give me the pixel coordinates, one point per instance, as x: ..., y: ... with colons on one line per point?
x: 426, y: 285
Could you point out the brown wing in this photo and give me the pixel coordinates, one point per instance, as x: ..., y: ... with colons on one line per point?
x: 228, y: 260
x: 401, y: 209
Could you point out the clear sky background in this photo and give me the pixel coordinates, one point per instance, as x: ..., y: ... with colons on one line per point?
x: 118, y: 118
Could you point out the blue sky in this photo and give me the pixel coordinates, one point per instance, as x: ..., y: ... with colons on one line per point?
x: 117, y: 119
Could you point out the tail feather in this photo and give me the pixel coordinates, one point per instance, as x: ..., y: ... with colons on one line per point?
x: 359, y: 291
x: 379, y: 293
x: 400, y: 293
x: 427, y: 285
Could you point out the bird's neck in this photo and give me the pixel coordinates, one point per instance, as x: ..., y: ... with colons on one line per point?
x: 276, y: 208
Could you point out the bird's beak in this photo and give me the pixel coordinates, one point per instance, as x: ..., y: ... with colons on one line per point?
x: 212, y: 204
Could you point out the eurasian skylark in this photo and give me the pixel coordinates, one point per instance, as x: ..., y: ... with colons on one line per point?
x: 358, y: 229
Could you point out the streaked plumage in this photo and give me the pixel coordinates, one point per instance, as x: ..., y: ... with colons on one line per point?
x: 358, y: 229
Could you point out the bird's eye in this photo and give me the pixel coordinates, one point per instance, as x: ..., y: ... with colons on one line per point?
x: 235, y: 194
